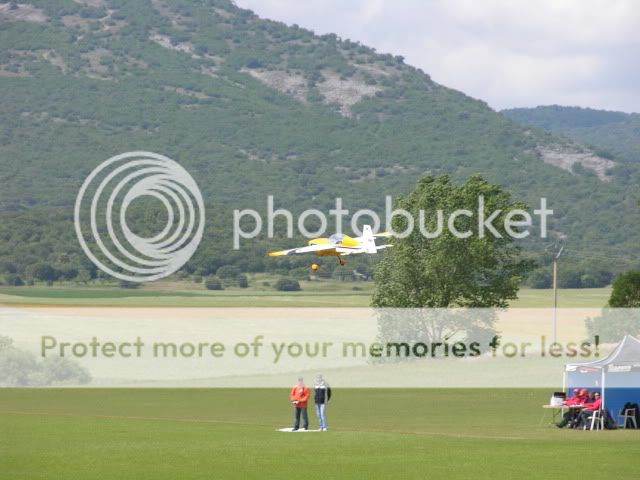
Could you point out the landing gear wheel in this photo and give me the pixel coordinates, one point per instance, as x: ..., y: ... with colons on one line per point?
x: 341, y: 261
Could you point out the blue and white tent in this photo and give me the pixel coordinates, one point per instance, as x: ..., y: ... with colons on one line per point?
x: 617, y: 376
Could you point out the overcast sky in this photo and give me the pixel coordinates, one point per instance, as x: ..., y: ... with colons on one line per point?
x: 508, y: 53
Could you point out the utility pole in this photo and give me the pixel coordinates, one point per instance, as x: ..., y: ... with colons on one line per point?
x: 555, y: 293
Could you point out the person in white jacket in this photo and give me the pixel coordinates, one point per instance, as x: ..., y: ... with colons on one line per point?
x: 322, y: 396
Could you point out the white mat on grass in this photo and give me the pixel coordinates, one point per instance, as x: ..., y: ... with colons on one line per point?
x: 291, y: 430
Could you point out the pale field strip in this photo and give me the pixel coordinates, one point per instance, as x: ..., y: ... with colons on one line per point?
x: 280, y: 343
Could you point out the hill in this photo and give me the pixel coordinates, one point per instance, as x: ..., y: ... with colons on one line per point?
x: 253, y: 107
x: 613, y: 133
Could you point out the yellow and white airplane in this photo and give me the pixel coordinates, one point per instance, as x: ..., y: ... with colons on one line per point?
x: 339, y: 245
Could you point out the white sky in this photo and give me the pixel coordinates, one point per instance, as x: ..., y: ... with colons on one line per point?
x: 509, y: 53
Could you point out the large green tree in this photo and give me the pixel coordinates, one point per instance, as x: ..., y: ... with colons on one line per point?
x: 481, y: 270
x: 626, y: 291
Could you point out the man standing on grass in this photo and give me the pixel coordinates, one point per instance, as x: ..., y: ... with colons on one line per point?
x: 322, y: 395
x: 299, y: 398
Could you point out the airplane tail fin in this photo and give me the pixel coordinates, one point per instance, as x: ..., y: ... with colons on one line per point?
x: 368, y: 240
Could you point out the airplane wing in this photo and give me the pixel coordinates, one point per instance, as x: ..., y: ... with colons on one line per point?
x: 382, y: 235
x: 307, y: 249
x: 344, y: 251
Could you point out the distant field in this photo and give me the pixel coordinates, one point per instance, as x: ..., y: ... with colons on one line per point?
x: 118, y: 298
x: 567, y: 298
x: 314, y: 294
x: 229, y: 434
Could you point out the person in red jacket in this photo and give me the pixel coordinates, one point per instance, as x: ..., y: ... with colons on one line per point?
x: 575, y: 398
x: 299, y: 398
x: 590, y: 407
x: 580, y: 397
x: 570, y: 418
x: 595, y: 404
x: 584, y: 396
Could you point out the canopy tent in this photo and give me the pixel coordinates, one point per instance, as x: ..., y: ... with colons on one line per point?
x: 617, y: 376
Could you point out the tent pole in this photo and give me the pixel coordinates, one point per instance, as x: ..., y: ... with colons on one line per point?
x: 603, y: 387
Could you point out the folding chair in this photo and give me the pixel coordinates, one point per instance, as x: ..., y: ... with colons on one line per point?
x: 597, y: 420
x: 629, y: 415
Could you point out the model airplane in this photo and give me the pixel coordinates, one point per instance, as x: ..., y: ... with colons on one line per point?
x: 339, y: 245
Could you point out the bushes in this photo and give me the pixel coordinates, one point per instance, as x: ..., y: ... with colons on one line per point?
x: 213, y: 283
x: 540, y: 279
x: 254, y: 63
x: 216, y: 283
x: 575, y: 277
x: 287, y: 285
x: 13, y: 280
x: 569, y: 276
x: 42, y: 271
x: 230, y: 276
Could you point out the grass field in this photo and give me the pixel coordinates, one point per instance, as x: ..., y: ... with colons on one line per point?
x: 221, y: 434
x: 320, y: 294
x: 226, y: 434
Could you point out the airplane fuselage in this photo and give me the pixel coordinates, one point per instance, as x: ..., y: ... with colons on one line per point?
x: 345, y: 241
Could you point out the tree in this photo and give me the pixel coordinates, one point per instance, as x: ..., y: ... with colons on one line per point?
x: 569, y: 277
x: 213, y: 283
x: 62, y: 371
x: 43, y: 271
x: 228, y: 272
x: 243, y: 282
x: 423, y: 274
x: 613, y: 324
x: 5, y: 342
x: 17, y: 367
x: 287, y: 285
x: 7, y: 266
x: 67, y: 272
x: 20, y: 368
x: 84, y: 276
x: 626, y: 291
x: 364, y: 272
x: 13, y: 280
x: 254, y: 63
x: 447, y: 271
x: 540, y: 279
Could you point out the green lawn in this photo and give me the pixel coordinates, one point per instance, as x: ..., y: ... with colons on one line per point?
x: 222, y: 434
x: 314, y: 294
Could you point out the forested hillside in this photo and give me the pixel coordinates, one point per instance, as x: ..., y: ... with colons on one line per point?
x: 252, y: 107
x: 612, y: 133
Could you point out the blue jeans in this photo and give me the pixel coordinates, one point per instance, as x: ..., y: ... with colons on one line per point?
x: 305, y: 418
x: 321, y: 412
